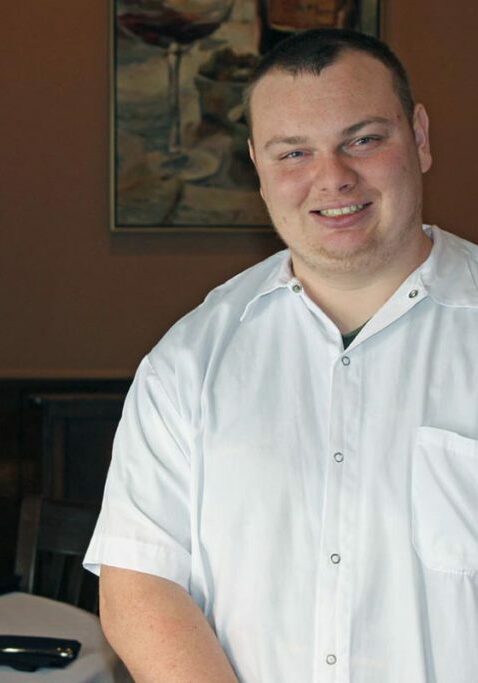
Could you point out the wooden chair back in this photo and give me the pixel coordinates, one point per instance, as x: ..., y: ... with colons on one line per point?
x: 52, y: 540
x: 77, y: 436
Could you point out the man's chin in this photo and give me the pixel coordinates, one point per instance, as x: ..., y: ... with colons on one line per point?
x: 336, y: 261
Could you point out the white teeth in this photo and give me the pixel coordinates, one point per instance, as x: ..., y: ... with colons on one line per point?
x: 344, y: 211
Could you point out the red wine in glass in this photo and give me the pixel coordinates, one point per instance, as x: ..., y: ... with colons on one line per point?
x: 173, y: 25
x: 163, y: 27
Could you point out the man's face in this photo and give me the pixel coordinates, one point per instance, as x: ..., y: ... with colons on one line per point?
x: 340, y: 166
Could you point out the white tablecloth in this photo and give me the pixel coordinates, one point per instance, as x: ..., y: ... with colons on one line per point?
x: 30, y: 615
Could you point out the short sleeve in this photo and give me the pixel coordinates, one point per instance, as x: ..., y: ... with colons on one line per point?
x: 144, y: 523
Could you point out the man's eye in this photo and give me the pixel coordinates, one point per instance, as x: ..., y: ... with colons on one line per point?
x: 366, y: 140
x: 295, y: 154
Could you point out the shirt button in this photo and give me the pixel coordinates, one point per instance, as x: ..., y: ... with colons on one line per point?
x: 338, y: 457
x: 413, y: 293
x: 297, y: 288
x: 335, y: 558
x: 331, y: 659
x: 345, y: 360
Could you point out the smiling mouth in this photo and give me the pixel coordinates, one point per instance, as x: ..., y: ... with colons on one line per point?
x: 342, y: 211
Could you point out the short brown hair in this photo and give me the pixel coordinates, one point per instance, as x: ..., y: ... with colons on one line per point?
x: 311, y: 51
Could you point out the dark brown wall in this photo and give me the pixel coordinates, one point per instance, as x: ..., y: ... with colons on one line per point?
x: 437, y: 41
x: 76, y: 301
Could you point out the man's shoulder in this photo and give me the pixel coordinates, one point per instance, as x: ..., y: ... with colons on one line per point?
x: 459, y: 249
x: 241, y: 288
x: 453, y: 241
x: 222, y: 309
x: 451, y: 273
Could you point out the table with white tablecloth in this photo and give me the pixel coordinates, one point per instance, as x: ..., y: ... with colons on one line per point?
x: 22, y: 614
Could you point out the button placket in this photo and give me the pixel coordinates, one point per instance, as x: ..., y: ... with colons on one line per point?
x: 328, y: 596
x: 337, y: 549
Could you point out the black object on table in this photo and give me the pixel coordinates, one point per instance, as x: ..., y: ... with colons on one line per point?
x: 29, y: 653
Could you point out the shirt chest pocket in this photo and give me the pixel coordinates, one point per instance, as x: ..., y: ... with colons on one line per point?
x: 445, y: 501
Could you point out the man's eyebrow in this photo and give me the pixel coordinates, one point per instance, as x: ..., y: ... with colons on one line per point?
x: 286, y: 140
x: 351, y: 130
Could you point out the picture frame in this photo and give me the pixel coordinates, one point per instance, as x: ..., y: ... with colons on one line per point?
x: 178, y: 137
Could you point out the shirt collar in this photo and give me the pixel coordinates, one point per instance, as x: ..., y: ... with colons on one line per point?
x: 449, y: 275
x: 279, y: 278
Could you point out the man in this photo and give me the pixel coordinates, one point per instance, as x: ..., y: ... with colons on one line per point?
x: 298, y: 457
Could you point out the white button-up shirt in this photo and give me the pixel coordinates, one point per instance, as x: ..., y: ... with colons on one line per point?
x: 320, y: 505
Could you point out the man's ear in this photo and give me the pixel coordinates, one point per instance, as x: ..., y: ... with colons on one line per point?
x: 251, y: 151
x: 252, y: 155
x: 422, y: 139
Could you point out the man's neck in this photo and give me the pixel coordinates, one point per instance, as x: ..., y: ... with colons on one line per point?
x: 351, y: 308
x: 349, y: 300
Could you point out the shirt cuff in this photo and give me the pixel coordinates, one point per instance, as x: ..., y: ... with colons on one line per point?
x: 141, y: 557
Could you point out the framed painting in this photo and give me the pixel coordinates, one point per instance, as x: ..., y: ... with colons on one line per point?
x: 179, y: 159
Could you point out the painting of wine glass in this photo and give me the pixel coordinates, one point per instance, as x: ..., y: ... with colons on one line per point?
x: 179, y: 159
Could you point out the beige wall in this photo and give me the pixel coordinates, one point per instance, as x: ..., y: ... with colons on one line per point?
x: 76, y: 301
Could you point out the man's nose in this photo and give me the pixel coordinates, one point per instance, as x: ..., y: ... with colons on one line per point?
x: 334, y: 174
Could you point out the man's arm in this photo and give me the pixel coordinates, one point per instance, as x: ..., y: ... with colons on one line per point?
x: 158, y: 630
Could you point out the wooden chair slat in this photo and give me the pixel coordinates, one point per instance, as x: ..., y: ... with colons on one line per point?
x: 52, y: 540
